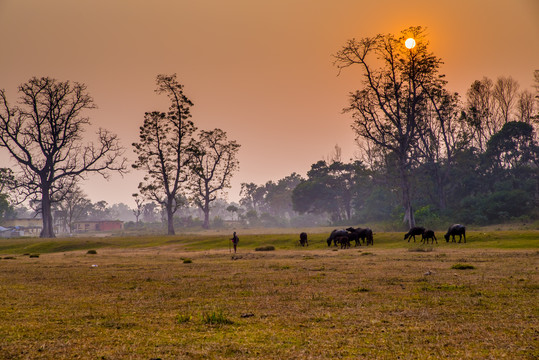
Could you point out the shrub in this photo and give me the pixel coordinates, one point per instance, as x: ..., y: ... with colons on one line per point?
x: 187, y: 261
x: 34, y: 255
x: 91, y: 252
x: 265, y: 248
x: 462, y: 266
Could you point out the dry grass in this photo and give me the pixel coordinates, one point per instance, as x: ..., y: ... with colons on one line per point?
x: 284, y: 304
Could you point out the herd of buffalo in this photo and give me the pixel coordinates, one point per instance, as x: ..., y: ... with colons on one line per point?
x: 344, y: 237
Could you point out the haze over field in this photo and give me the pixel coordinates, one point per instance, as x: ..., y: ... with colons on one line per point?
x: 261, y: 71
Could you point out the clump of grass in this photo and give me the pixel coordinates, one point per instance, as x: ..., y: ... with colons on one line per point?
x: 9, y: 258
x: 265, y: 248
x: 366, y: 253
x: 462, y: 266
x: 360, y: 290
x: 421, y: 249
x: 34, y: 255
x: 187, y: 260
x: 91, y: 252
x: 183, y: 318
x: 216, y: 318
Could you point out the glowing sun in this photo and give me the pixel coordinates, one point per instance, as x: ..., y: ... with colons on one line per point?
x: 409, y: 43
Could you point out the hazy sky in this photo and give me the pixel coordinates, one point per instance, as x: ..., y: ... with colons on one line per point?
x: 260, y: 70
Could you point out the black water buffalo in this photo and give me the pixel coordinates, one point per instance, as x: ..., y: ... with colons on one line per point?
x: 339, y: 237
x: 416, y: 230
x: 456, y: 229
x: 358, y: 234
x: 303, y: 239
x: 428, y: 234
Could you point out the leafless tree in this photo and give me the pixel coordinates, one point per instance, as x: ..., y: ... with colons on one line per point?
x: 44, y: 135
x: 74, y: 205
x: 388, y: 111
x: 139, y: 202
x: 214, y: 162
x: 162, y: 150
x: 506, y: 92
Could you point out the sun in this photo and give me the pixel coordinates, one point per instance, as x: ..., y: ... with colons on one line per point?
x: 409, y: 43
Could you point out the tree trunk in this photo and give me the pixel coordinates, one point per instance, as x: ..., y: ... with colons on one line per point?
x: 206, y: 210
x: 46, y: 214
x: 170, y: 219
x: 406, y: 198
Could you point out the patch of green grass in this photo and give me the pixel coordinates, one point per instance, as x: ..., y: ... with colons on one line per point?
x: 183, y: 318
x: 462, y: 266
x: 265, y: 248
x: 215, y: 318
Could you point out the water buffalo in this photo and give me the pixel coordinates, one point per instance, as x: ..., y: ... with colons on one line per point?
x: 416, y: 230
x: 339, y: 237
x: 363, y: 234
x: 303, y: 239
x: 429, y: 234
x: 456, y: 229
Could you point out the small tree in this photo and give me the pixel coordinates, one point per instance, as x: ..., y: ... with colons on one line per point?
x: 139, y: 203
x: 214, y: 162
x: 44, y: 136
x: 162, y: 149
x: 74, y: 206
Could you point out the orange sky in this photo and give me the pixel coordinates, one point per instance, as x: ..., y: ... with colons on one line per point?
x: 260, y: 70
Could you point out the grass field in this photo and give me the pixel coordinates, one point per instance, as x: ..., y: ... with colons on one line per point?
x: 187, y: 297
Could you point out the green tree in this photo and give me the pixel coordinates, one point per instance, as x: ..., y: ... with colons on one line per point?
x: 44, y: 136
x: 163, y: 149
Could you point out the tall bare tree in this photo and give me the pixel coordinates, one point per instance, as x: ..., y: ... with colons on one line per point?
x: 215, y: 160
x: 397, y: 82
x: 506, y: 94
x: 44, y: 135
x: 162, y: 150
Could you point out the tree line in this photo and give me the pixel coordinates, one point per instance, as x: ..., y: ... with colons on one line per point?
x: 426, y: 153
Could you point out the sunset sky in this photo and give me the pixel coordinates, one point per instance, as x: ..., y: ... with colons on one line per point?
x: 260, y: 70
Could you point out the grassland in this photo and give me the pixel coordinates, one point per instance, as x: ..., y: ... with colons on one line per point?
x: 140, y: 298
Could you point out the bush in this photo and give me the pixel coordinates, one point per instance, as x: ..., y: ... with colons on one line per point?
x: 34, y: 255
x: 187, y: 261
x: 91, y: 252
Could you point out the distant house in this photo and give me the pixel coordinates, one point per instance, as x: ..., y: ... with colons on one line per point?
x: 23, y: 227
x: 99, y: 225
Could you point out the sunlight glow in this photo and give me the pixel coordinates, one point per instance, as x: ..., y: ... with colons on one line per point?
x: 410, y: 43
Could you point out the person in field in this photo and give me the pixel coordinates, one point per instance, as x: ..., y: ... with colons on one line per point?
x: 235, y: 239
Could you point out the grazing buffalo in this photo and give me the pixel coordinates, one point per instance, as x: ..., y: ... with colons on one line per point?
x: 429, y: 234
x: 416, y: 230
x: 455, y: 229
x: 339, y: 237
x: 303, y: 239
x: 363, y: 234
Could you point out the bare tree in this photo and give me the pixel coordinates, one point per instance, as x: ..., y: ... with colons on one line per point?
x: 506, y: 92
x: 74, y: 205
x: 388, y: 111
x: 163, y: 149
x: 44, y: 136
x: 139, y: 203
x: 214, y: 162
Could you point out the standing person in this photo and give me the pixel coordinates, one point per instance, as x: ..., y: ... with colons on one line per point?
x: 235, y: 239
